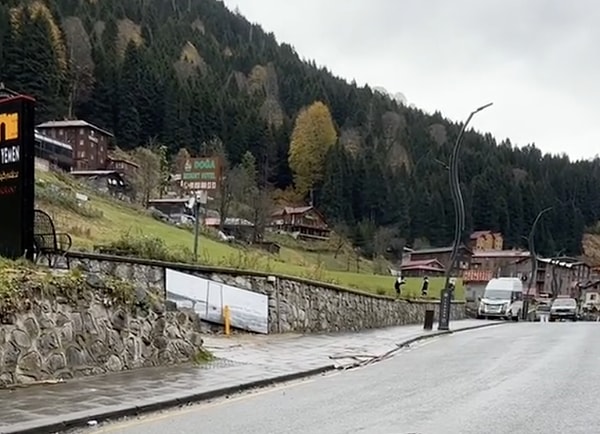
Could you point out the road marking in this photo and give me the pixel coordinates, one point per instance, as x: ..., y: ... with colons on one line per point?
x: 196, y: 407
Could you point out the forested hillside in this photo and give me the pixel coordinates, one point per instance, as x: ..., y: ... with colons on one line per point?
x: 184, y: 73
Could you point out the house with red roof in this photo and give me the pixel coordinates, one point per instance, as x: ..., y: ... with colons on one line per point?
x: 421, y: 268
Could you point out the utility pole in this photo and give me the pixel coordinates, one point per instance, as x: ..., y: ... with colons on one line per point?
x: 197, y: 201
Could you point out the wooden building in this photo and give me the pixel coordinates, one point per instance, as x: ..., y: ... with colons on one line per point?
x: 59, y: 155
x: 443, y: 255
x: 124, y: 167
x: 304, y: 222
x: 486, y: 240
x: 564, y: 273
x: 498, y: 262
x: 426, y: 267
x: 89, y: 142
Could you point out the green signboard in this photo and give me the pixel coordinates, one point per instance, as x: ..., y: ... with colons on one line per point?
x: 201, y: 174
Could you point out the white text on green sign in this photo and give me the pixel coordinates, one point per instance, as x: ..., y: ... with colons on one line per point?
x: 204, y: 164
x: 193, y: 176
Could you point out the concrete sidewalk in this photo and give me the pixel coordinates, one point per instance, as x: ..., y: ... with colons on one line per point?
x: 242, y: 362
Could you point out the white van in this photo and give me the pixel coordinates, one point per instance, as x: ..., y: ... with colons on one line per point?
x: 502, y: 298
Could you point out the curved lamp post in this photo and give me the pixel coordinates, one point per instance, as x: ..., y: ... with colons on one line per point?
x: 459, y: 223
x: 534, y: 260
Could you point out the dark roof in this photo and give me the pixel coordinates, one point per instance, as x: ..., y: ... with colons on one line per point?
x: 292, y: 210
x: 422, y: 268
x: 123, y: 160
x: 422, y: 263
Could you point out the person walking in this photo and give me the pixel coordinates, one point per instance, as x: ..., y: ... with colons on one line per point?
x: 425, y: 287
x: 398, y: 286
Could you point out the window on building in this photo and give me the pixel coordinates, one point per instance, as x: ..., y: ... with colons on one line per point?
x: 61, y: 132
x: 81, y: 154
x: 81, y: 131
x: 81, y: 142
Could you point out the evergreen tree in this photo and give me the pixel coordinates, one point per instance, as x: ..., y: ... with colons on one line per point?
x: 257, y: 96
x: 129, y: 126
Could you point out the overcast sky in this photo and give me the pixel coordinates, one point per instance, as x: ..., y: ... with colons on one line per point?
x: 537, y: 60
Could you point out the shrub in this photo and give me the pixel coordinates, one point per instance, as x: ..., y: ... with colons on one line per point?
x: 21, y: 282
x: 148, y: 247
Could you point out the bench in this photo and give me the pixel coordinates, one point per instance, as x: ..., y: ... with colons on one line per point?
x: 47, y: 243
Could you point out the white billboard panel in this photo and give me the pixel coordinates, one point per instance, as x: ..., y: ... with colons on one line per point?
x: 249, y: 310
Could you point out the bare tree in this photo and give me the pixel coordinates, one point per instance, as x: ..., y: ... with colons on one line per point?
x: 229, y: 179
x: 255, y: 203
x: 381, y: 240
x: 180, y: 159
x: 147, y: 180
x: 338, y: 238
x: 261, y: 205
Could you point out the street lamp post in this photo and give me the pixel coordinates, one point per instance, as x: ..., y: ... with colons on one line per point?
x: 459, y: 224
x: 534, y: 261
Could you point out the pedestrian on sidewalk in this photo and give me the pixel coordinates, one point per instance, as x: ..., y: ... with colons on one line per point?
x: 398, y: 286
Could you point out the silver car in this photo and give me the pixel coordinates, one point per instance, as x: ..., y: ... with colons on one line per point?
x: 564, y: 308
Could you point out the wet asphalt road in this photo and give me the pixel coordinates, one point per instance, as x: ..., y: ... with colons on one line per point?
x: 516, y: 378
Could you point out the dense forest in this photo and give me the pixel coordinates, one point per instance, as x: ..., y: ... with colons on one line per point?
x: 184, y: 73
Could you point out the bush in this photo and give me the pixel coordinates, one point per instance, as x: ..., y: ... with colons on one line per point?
x: 147, y: 247
x: 21, y: 283
x: 244, y: 260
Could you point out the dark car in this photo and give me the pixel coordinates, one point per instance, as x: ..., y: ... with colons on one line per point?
x: 564, y: 308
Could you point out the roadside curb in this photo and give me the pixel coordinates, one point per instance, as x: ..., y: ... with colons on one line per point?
x: 408, y: 342
x: 446, y: 332
x: 81, y: 419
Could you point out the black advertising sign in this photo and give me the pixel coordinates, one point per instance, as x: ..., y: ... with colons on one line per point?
x: 445, y: 303
x: 17, y: 183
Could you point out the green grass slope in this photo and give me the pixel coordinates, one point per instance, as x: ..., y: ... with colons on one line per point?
x: 107, y: 221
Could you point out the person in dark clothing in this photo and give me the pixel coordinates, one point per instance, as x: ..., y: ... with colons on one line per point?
x: 425, y: 287
x: 398, y: 286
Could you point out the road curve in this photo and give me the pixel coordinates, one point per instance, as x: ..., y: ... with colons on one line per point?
x: 518, y: 378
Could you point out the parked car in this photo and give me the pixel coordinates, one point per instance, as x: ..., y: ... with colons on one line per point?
x: 564, y: 308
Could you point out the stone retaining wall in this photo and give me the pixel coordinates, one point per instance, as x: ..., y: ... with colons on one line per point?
x: 59, y: 339
x: 295, y: 304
